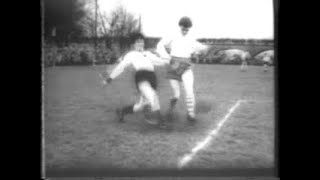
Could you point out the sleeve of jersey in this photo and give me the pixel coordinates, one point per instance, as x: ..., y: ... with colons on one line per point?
x: 198, y: 47
x: 156, y: 60
x: 161, y: 50
x: 121, y: 66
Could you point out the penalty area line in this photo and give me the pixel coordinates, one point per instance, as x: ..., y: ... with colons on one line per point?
x: 202, y: 144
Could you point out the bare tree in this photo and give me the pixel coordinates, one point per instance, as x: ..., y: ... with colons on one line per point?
x: 62, y: 16
x: 88, y: 22
x: 122, y: 22
x: 117, y: 23
x: 114, y: 26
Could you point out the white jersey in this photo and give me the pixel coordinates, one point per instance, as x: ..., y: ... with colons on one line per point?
x: 144, y: 60
x: 180, y: 46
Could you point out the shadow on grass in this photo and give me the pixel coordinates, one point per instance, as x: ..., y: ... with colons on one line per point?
x: 203, y: 107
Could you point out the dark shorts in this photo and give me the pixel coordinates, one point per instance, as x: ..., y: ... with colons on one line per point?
x: 177, y: 67
x: 144, y: 75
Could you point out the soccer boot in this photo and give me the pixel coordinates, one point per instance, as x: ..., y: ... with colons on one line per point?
x: 122, y: 112
x: 173, y: 102
x: 191, y: 119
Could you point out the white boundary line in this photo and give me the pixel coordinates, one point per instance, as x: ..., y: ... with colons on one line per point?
x: 200, y: 145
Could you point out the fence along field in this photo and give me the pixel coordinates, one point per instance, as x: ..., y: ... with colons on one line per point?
x: 85, y: 53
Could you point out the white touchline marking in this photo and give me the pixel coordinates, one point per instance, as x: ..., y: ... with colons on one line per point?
x: 200, y: 145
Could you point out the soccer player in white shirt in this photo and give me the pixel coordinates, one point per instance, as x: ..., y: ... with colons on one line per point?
x: 145, y: 79
x: 181, y: 49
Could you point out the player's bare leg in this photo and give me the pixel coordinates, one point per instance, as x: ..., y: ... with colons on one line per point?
x: 187, y: 79
x: 175, y: 85
x: 153, y: 100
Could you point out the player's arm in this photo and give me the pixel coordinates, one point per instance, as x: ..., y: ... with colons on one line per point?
x: 105, y: 75
x: 126, y: 61
x: 156, y: 59
x: 199, y: 48
x: 161, y: 48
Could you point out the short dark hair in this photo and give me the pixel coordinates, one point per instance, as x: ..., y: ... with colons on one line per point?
x: 135, y: 36
x: 185, y: 22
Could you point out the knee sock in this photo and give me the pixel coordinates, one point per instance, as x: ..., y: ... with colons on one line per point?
x: 127, y: 109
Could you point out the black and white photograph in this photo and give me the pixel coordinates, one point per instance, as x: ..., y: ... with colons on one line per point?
x: 172, y: 86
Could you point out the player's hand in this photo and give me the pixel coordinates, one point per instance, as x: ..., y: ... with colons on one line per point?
x: 105, y: 80
x: 104, y: 83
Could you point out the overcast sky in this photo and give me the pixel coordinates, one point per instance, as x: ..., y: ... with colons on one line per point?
x: 211, y: 18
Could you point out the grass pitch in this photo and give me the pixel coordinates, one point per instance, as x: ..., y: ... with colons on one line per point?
x: 81, y: 131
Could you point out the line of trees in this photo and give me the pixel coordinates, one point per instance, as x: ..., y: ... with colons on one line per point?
x: 71, y: 27
x: 61, y: 18
x: 79, y: 32
x: 119, y: 22
x: 68, y: 20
